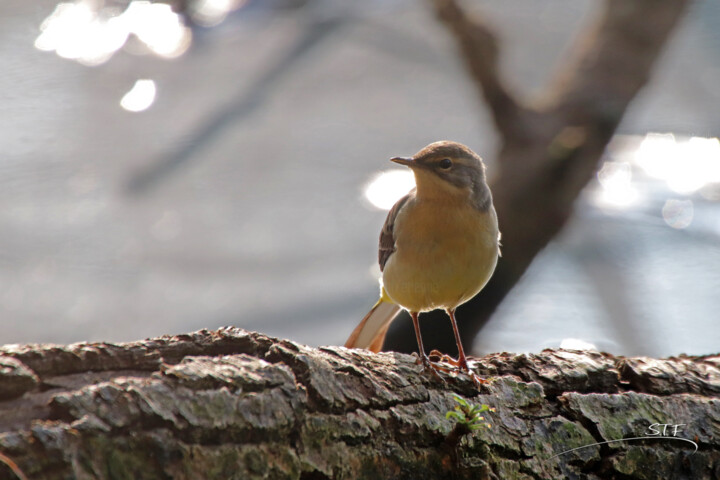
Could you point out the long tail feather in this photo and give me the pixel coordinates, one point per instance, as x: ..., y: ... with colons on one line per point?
x: 370, y: 333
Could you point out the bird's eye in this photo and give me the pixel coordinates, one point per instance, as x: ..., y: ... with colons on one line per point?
x: 445, y: 163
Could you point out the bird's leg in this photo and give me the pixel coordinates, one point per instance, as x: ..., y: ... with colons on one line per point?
x: 462, y: 360
x: 427, y: 364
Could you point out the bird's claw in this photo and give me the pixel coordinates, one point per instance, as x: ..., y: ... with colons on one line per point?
x: 431, y: 368
x: 436, y: 357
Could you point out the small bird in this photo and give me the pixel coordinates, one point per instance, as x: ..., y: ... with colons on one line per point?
x: 438, y: 247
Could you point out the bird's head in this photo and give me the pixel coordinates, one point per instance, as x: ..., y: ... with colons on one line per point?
x: 449, y: 169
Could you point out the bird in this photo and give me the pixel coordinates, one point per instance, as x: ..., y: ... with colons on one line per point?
x: 438, y: 247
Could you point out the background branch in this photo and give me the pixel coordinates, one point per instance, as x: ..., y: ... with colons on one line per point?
x: 480, y: 50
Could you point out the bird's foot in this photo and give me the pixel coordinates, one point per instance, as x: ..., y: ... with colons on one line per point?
x: 460, y: 365
x: 431, y: 368
x: 438, y: 356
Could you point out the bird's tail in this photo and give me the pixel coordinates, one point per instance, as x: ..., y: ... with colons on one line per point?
x: 370, y: 333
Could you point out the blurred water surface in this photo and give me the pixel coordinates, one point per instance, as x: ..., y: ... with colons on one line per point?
x: 216, y: 175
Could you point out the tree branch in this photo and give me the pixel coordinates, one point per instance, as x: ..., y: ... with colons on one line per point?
x: 480, y: 50
x: 236, y: 404
x: 614, y: 60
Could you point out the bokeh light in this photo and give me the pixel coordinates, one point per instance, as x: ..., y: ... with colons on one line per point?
x: 388, y: 187
x: 686, y: 165
x: 209, y: 13
x: 90, y: 32
x: 140, y: 97
x: 616, y: 181
x: 678, y: 213
x: 576, y: 344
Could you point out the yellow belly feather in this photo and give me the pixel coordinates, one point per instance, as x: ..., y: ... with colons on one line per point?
x: 445, y: 254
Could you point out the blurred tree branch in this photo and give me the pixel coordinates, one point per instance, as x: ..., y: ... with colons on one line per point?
x: 480, y: 49
x: 550, y: 150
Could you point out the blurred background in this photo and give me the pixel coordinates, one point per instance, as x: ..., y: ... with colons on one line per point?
x: 163, y: 173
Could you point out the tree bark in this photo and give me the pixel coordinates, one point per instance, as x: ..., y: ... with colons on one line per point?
x: 235, y: 404
x: 551, y: 146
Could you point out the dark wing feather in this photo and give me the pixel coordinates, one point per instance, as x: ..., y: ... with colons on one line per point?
x: 387, y: 240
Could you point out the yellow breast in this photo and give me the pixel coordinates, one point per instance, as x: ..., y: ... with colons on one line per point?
x: 445, y: 254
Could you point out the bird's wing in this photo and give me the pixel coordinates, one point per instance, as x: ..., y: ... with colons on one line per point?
x: 387, y: 239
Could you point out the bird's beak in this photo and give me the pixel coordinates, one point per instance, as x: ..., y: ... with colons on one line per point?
x: 407, y: 161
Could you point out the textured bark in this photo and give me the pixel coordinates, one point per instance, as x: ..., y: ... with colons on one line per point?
x: 550, y: 146
x: 234, y: 404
